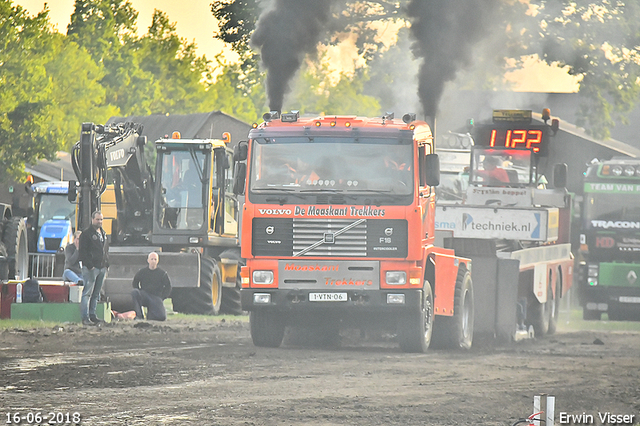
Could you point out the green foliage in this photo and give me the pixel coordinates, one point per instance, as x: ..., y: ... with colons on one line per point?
x: 234, y: 95
x: 598, y: 41
x: 39, y: 96
x: 315, y: 94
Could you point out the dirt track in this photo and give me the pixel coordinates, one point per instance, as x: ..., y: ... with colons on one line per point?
x: 183, y: 372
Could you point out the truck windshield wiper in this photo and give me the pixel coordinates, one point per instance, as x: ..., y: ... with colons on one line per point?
x: 331, y: 190
x: 369, y: 191
x: 280, y: 198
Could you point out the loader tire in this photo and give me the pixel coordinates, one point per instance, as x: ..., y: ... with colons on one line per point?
x: 267, y: 328
x: 203, y: 300
x: 456, y: 331
x: 14, y: 237
x: 231, y: 303
x: 416, y: 328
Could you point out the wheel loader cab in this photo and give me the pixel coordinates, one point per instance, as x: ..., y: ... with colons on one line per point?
x: 190, y: 191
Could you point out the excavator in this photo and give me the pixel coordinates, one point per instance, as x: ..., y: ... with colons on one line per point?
x: 184, y: 209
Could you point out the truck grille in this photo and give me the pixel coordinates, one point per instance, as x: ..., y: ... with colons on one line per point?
x: 284, y: 237
x: 307, y: 232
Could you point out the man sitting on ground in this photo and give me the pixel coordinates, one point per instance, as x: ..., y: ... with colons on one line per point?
x: 151, y: 285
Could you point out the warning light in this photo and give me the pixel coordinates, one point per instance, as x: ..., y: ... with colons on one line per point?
x: 175, y: 135
x: 254, y: 125
x: 347, y: 124
x: 226, y: 137
x: 332, y: 124
x: 318, y: 124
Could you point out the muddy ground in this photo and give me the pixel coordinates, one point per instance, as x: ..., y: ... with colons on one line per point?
x: 207, y: 372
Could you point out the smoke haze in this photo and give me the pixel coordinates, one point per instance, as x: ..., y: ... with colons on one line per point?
x: 284, y: 34
x: 444, y: 33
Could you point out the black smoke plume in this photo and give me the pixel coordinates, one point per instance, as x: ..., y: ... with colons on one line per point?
x: 284, y: 34
x: 445, y: 32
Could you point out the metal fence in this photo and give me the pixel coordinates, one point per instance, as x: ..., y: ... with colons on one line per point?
x: 42, y: 265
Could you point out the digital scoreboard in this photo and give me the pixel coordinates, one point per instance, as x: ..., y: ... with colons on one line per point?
x: 511, y: 131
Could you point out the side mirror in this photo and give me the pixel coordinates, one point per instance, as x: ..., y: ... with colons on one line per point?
x: 71, y: 195
x: 432, y: 168
x: 240, y: 151
x: 560, y: 172
x: 239, y: 178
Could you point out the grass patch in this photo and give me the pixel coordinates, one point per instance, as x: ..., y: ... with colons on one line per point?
x: 572, y: 321
x: 23, y: 324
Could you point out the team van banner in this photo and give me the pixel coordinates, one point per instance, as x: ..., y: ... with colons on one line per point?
x: 512, y: 224
x: 612, y: 188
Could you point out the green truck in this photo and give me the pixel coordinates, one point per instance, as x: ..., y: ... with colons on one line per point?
x: 609, y: 264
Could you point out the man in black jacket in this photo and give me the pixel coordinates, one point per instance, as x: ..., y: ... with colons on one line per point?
x: 151, y: 285
x: 94, y: 256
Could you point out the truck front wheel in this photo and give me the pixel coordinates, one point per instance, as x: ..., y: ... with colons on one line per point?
x: 267, y: 329
x: 415, y: 330
x: 456, y: 331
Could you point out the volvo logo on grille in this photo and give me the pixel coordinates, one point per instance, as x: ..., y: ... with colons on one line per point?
x: 269, y: 230
x: 329, y: 238
x: 388, y: 232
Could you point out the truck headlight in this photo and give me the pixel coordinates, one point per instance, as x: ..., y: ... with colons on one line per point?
x: 41, y: 243
x: 261, y: 298
x: 396, y: 277
x: 263, y: 277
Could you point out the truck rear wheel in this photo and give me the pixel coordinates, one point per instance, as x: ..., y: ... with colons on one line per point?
x: 589, y: 315
x: 205, y: 299
x: 553, y: 321
x: 14, y: 238
x: 456, y: 331
x: 541, y: 314
x: 267, y: 329
x: 415, y: 329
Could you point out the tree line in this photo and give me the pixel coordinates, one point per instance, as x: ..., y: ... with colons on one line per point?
x: 52, y: 82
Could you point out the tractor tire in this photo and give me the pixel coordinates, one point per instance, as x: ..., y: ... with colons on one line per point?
x: 553, y: 321
x: 14, y: 237
x: 416, y: 328
x: 203, y: 300
x: 267, y: 329
x: 4, y: 267
x: 456, y: 332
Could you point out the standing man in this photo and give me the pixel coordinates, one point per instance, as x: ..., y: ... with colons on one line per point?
x: 151, y: 285
x: 94, y: 256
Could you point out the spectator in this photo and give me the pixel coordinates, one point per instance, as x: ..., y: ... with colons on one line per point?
x: 94, y: 255
x: 151, y: 285
x: 72, y: 270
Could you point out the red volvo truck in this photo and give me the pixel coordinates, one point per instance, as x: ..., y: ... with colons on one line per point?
x: 338, y: 231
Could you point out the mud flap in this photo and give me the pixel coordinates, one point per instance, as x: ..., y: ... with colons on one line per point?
x: 183, y: 270
x: 495, y: 283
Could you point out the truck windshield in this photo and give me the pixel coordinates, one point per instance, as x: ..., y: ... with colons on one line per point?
x: 610, y: 208
x: 57, y: 206
x: 500, y: 167
x: 181, y: 187
x: 346, y: 166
